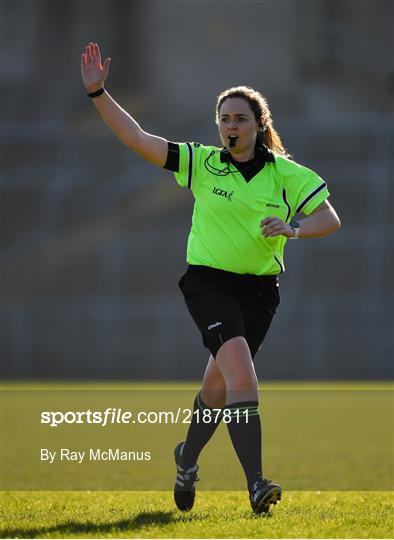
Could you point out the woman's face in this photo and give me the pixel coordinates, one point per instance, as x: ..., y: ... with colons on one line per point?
x: 236, y: 119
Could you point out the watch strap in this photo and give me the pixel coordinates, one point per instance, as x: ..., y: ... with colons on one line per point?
x: 296, y: 228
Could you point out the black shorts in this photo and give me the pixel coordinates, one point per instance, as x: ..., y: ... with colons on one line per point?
x: 225, y: 305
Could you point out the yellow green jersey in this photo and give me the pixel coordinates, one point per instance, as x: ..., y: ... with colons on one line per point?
x: 225, y: 231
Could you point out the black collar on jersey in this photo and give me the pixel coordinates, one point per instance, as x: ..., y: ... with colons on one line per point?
x: 263, y: 154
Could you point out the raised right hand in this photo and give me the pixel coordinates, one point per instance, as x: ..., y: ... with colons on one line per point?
x: 92, y: 71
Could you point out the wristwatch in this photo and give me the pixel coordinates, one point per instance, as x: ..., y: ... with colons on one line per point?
x: 296, y: 228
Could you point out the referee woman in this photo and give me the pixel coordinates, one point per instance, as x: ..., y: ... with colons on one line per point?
x: 246, y: 195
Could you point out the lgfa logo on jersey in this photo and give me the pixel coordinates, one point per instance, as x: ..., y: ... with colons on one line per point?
x: 223, y: 193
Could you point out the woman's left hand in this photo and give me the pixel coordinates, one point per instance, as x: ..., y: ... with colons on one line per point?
x: 273, y: 226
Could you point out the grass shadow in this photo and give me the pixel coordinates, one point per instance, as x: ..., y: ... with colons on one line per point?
x: 142, y: 519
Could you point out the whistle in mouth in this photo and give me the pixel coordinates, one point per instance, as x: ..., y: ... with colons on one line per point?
x: 232, y: 141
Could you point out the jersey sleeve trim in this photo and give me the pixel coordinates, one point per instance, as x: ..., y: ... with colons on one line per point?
x: 190, y: 171
x: 172, y: 162
x: 313, y: 194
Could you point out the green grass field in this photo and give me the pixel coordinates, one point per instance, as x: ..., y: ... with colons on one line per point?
x: 216, y: 515
x: 334, y: 441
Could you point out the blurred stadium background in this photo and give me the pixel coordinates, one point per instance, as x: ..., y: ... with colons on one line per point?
x: 93, y: 238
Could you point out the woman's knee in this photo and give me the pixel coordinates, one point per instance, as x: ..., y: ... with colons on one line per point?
x: 236, y: 365
x: 213, y: 390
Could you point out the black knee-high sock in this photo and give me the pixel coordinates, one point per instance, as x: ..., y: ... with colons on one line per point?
x: 199, y: 431
x: 245, y: 433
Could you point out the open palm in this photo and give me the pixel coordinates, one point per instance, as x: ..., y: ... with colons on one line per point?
x: 93, y: 72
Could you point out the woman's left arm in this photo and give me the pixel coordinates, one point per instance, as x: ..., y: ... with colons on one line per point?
x: 321, y: 222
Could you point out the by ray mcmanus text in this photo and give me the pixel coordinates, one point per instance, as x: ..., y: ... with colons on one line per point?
x: 92, y: 454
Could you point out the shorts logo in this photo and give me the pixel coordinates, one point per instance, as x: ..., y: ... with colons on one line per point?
x: 271, y: 205
x: 214, y: 325
x: 223, y: 193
